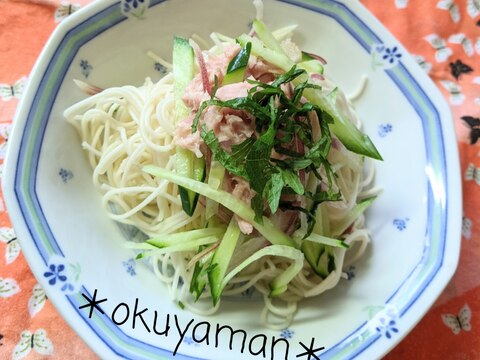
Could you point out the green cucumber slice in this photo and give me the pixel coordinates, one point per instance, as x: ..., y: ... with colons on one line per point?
x: 238, y: 66
x: 187, y: 164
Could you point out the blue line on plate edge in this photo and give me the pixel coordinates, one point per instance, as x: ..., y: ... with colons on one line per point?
x: 431, y: 199
x: 44, y: 121
x: 286, y: 1
x: 35, y: 159
x: 121, y: 335
x: 28, y: 125
x: 332, y: 15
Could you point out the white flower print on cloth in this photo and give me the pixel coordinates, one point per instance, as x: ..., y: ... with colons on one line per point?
x: 442, y: 52
x: 38, y: 341
x: 473, y: 8
x: 426, y: 66
x: 8, y: 287
x: 37, y: 300
x: 476, y: 79
x: 7, y: 236
x: 5, y: 129
x: 64, y: 10
x: 10, y: 91
x: 451, y: 7
x: 472, y: 173
x: 456, y: 96
x: 401, y: 4
x: 466, y: 228
x: 465, y: 42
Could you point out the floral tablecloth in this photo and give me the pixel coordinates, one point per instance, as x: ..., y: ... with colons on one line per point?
x: 443, y: 36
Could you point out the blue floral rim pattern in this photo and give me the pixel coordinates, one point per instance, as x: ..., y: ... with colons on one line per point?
x: 36, y: 124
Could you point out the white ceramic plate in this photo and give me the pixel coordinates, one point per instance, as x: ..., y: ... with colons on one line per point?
x: 74, y: 249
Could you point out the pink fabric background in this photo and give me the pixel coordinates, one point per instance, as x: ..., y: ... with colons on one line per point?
x: 26, y: 25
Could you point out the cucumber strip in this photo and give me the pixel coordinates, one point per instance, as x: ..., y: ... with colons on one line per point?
x: 353, y: 139
x: 199, y: 174
x: 247, y: 248
x: 326, y: 262
x: 187, y: 164
x: 258, y: 48
x: 237, y: 68
x: 186, y: 236
x: 280, y: 283
x: 322, y: 222
x: 266, y: 36
x: 225, y: 38
x: 222, y: 258
x: 183, y: 72
x: 198, y: 282
x: 313, y: 252
x: 202, y: 266
x: 325, y: 220
x: 199, y: 169
x: 318, y: 251
x: 320, y: 257
x: 186, y: 246
x: 200, y: 274
x: 139, y: 246
x: 311, y: 66
x: 350, y: 136
x: 215, y: 180
x: 306, y: 56
x: 324, y: 240
x: 340, y: 227
x: 163, y: 249
x: 214, y: 222
x: 284, y: 32
x: 239, y: 207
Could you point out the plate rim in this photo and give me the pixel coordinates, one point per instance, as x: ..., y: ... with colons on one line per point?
x: 446, y: 270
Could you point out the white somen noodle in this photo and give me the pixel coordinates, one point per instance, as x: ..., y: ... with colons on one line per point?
x: 123, y: 129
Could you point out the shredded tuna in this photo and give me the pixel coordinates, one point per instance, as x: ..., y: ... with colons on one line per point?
x: 260, y: 70
x: 215, y: 66
x: 233, y: 91
x: 278, y: 156
x: 240, y: 188
x: 194, y: 94
x: 234, y: 130
x: 212, y: 118
x: 184, y: 137
x: 245, y: 227
x: 287, y: 89
x: 230, y: 126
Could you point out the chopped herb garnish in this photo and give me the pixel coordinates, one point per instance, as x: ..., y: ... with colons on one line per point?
x: 282, y: 123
